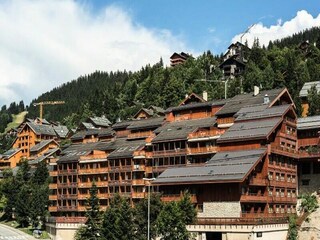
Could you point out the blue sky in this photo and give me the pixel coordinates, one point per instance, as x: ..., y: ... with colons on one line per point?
x: 45, y: 43
x: 205, y: 24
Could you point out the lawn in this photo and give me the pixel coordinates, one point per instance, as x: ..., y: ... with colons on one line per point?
x: 16, y: 120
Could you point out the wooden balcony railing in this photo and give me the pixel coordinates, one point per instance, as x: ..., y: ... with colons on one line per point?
x: 258, y: 181
x: 206, y: 133
x: 53, y: 197
x: 177, y: 197
x: 140, y: 134
x: 70, y: 219
x: 138, y: 182
x: 305, y: 142
x: 287, y: 184
x: 67, y: 208
x: 199, y: 150
x: 67, y: 172
x: 89, y: 184
x: 177, y: 151
x: 283, y: 199
x: 53, y: 173
x: 53, y: 208
x: 138, y: 195
x: 139, y: 167
x: 93, y: 171
x: 67, y: 196
x: 148, y: 169
x: 53, y: 186
x: 94, y: 156
x: 285, y: 151
x: 140, y: 153
x: 251, y: 197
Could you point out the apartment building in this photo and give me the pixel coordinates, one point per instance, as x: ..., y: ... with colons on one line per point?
x: 238, y: 154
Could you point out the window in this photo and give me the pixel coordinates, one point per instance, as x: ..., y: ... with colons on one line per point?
x: 305, y: 182
x: 259, y: 234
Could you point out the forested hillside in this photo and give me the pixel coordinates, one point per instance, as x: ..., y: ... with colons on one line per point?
x: 121, y: 94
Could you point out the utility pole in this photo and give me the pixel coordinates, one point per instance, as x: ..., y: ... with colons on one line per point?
x: 149, y: 179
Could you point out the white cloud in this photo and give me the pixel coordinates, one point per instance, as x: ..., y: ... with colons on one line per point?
x: 301, y: 21
x: 46, y: 43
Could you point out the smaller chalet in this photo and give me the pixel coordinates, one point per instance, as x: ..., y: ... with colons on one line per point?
x: 234, y: 60
x: 10, y: 158
x: 178, y: 58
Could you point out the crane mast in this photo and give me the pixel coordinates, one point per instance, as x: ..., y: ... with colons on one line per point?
x: 41, y: 104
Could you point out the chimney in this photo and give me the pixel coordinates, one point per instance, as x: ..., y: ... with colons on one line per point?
x: 205, y: 95
x: 266, y: 99
x: 255, y: 91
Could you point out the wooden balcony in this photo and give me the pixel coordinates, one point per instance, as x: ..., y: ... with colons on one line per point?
x: 258, y: 182
x: 89, y: 184
x: 67, y: 185
x: 206, y: 134
x: 174, y: 152
x: 138, y: 182
x: 202, y: 150
x: 53, y: 197
x: 87, y: 195
x: 148, y: 169
x: 290, y: 136
x: 67, y: 208
x: 283, y: 167
x: 278, y: 183
x: 139, y: 154
x: 138, y: 195
x: 251, y: 197
x: 177, y: 197
x: 53, y: 173
x: 82, y: 208
x: 53, y: 209
x: 70, y: 219
x: 137, y: 168
x: 305, y: 142
x: 84, y: 171
x: 283, y: 199
x: 306, y: 154
x: 285, y: 151
x: 137, y: 135
x: 67, y: 172
x: 53, y: 186
x: 67, y: 196
x: 94, y: 157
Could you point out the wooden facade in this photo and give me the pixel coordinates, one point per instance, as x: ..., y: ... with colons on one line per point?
x: 186, y: 138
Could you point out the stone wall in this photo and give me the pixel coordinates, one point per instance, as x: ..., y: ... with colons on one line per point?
x: 220, y: 210
x: 314, y: 183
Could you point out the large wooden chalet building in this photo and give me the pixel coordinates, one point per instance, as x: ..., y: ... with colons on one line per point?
x: 237, y: 157
x: 244, y: 160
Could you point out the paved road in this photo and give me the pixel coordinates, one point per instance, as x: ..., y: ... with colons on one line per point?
x: 8, y: 233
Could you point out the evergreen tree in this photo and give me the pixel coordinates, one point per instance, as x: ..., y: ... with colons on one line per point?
x: 118, y: 220
x: 187, y: 209
x: 141, y: 217
x: 92, y: 228
x: 171, y: 224
x: 22, y: 206
x: 314, y: 101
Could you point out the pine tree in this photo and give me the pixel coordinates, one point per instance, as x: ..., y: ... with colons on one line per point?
x: 314, y: 101
x: 118, y: 220
x: 141, y: 217
x: 92, y: 228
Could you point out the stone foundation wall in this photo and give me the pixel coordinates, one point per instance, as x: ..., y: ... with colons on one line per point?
x: 314, y: 183
x: 220, y: 210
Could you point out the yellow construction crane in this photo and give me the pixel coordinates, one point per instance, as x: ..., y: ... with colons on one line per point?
x: 46, y: 103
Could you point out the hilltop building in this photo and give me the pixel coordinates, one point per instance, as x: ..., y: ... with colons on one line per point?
x: 178, y: 58
x: 234, y: 60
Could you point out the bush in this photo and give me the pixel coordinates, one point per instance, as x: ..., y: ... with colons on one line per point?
x: 309, y: 203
